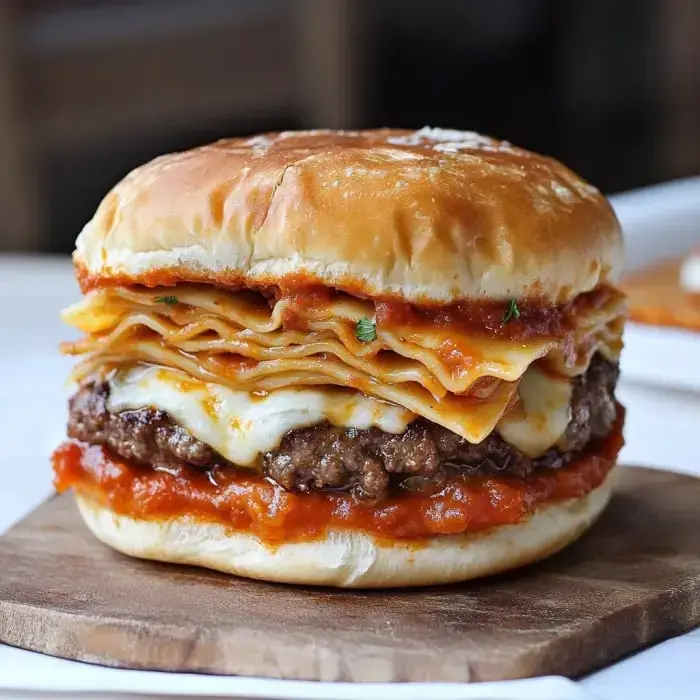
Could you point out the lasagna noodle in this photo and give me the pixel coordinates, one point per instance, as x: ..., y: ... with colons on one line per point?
x: 442, y: 360
x: 462, y: 381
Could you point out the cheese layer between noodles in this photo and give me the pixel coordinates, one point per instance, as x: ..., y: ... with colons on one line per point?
x: 241, y: 425
x: 458, y: 379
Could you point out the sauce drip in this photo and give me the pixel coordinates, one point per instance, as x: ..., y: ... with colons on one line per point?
x: 259, y: 506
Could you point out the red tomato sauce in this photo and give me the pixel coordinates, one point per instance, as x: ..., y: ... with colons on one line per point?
x: 251, y: 503
x: 534, y: 319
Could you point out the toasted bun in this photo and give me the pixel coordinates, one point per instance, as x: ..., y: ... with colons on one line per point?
x: 351, y: 559
x: 433, y: 216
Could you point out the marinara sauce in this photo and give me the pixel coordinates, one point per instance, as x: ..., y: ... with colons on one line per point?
x: 251, y: 503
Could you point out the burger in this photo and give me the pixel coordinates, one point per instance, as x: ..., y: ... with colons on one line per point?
x: 359, y: 358
x: 666, y: 293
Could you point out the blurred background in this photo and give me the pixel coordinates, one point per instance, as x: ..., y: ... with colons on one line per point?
x: 91, y: 88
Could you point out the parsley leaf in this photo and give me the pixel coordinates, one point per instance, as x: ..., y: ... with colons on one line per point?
x: 366, y: 330
x: 169, y: 300
x: 511, y: 312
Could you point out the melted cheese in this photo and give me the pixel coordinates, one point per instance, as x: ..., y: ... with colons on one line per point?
x: 240, y: 425
x: 470, y: 417
x: 540, y: 419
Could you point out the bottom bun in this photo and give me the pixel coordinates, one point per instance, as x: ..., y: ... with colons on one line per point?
x: 351, y: 559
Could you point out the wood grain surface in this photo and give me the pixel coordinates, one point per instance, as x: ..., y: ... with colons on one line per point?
x: 634, y: 579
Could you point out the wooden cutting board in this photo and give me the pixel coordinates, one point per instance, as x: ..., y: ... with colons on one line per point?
x: 633, y: 580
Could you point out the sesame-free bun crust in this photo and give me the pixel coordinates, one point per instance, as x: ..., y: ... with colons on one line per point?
x: 350, y: 559
x: 433, y: 216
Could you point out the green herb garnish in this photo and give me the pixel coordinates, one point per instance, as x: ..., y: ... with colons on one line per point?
x: 511, y: 312
x: 170, y: 301
x: 366, y: 330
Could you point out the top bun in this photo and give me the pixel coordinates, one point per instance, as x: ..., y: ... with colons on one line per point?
x: 432, y: 216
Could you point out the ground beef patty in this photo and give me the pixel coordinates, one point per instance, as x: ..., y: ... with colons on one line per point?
x: 368, y: 463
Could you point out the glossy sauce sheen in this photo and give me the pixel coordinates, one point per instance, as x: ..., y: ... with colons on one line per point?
x: 261, y: 507
x: 535, y: 319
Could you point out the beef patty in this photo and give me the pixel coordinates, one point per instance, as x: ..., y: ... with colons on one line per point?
x: 369, y: 463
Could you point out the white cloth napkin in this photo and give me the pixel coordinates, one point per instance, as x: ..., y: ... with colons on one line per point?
x: 27, y: 671
x: 668, y: 670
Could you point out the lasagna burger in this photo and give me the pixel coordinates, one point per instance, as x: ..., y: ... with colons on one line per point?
x: 355, y: 359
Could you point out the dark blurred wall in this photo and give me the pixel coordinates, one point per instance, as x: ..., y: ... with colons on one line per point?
x: 608, y: 86
x: 573, y: 79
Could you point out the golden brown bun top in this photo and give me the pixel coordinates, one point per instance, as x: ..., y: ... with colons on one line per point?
x: 431, y: 216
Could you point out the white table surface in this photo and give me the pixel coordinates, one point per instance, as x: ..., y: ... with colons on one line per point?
x: 662, y: 431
